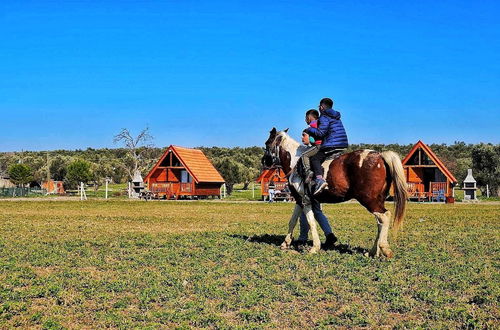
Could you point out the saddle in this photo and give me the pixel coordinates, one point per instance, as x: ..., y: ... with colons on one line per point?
x: 330, y: 157
x: 334, y: 154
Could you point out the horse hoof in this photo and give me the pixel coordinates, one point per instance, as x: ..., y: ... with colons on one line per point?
x: 284, y: 246
x: 388, y: 253
x: 314, y: 250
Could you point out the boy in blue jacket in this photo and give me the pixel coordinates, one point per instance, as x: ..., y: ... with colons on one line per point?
x: 333, y: 135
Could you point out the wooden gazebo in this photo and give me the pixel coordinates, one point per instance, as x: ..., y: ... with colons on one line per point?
x: 274, y: 174
x: 426, y: 175
x: 183, y: 172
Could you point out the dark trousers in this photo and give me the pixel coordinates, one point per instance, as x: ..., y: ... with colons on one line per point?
x: 320, y: 157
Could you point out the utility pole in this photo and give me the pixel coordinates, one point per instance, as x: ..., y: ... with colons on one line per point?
x: 107, y: 180
x: 48, y: 173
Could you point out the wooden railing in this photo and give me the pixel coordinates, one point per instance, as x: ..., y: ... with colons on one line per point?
x: 277, y: 186
x: 438, y: 191
x: 416, y: 189
x: 161, y: 187
x: 186, y: 187
x: 436, y: 187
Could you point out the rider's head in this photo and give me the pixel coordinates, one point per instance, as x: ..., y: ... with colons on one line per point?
x: 325, y: 103
x: 311, y: 115
x: 305, y: 138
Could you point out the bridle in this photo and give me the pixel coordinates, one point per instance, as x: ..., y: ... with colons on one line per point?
x: 273, y: 152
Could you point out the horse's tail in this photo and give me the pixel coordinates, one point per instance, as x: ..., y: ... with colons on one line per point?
x: 400, y: 190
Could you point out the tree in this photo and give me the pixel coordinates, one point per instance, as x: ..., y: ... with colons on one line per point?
x: 20, y: 174
x: 58, y: 167
x: 231, y: 171
x: 136, y: 146
x: 78, y: 171
x: 100, y: 172
x: 486, y: 165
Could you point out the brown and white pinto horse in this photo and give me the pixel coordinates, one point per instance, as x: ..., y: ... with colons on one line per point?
x: 364, y: 175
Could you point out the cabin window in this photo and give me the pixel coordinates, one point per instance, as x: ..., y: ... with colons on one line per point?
x: 425, y: 160
x: 420, y: 158
x: 170, y: 160
x: 185, y: 177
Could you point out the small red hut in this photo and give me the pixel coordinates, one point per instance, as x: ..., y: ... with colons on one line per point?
x: 426, y: 175
x: 183, y: 172
x: 274, y: 174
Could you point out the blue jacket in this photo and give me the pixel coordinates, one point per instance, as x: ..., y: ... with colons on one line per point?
x: 330, y: 130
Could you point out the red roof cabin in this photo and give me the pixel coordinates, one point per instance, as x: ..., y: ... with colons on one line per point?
x: 275, y: 174
x: 426, y: 175
x: 54, y: 187
x: 183, y: 173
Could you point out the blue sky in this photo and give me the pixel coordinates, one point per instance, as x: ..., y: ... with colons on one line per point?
x: 203, y: 73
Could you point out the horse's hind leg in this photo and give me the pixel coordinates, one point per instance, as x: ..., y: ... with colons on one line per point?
x: 291, y: 226
x: 381, y: 244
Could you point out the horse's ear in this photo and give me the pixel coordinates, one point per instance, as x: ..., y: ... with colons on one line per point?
x: 273, y: 130
x: 285, y: 130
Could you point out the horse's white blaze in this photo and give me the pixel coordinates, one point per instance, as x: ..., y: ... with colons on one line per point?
x: 362, y: 156
x: 293, y: 147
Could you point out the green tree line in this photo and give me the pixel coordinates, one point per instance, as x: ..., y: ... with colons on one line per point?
x: 236, y: 165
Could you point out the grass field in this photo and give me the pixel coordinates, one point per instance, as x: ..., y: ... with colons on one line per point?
x: 218, y: 264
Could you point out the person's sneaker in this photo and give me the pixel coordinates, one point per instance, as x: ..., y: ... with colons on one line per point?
x: 319, y: 185
x: 300, y: 245
x: 330, y: 241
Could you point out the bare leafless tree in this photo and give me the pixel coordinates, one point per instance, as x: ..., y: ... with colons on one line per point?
x: 136, y: 146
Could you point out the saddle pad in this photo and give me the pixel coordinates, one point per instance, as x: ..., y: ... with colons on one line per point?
x: 329, y: 160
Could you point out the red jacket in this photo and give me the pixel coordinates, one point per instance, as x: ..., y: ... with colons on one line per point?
x: 314, y: 124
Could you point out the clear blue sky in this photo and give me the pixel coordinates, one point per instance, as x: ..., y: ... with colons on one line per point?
x: 72, y: 73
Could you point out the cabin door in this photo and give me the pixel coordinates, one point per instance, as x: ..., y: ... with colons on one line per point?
x: 186, y: 180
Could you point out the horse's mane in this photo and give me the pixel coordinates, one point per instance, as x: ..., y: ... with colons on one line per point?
x: 290, y: 143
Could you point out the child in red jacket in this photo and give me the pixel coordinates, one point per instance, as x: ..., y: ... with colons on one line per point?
x: 312, y: 120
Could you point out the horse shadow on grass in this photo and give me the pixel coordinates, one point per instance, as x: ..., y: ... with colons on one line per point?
x: 278, y: 239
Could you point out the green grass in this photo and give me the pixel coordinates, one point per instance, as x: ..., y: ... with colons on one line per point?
x: 239, y: 194
x: 211, y: 264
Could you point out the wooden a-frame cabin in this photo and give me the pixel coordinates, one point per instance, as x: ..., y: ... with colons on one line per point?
x: 183, y: 172
x: 426, y: 175
x: 272, y: 174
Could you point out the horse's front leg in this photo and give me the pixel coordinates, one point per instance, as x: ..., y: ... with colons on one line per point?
x: 314, y: 230
x: 291, y: 226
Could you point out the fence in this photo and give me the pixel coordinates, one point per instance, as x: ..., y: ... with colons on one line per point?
x: 20, y: 192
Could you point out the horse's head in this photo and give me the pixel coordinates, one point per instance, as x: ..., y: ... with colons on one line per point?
x: 271, y: 154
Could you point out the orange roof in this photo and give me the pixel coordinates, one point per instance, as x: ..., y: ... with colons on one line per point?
x: 273, y: 171
x: 195, y: 162
x: 432, y: 156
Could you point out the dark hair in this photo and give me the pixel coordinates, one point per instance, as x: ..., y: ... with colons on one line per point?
x: 313, y: 112
x: 326, y: 101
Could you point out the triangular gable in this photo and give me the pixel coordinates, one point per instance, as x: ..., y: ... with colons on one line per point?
x: 157, y: 164
x: 262, y: 175
x: 270, y: 172
x: 432, y: 156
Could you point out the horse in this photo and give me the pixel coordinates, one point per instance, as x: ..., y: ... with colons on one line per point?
x: 364, y: 175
